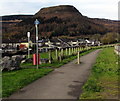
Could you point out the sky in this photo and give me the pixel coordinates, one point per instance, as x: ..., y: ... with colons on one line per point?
x: 107, y: 9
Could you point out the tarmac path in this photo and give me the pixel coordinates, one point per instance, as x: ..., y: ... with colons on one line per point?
x: 63, y: 83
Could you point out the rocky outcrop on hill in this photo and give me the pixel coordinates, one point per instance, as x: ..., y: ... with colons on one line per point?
x: 60, y: 11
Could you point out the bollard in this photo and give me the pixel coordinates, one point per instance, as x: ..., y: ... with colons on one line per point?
x: 60, y: 58
x: 76, y: 50
x: 69, y: 51
x: 56, y: 54
x: 78, y: 58
x: 81, y: 49
x: 35, y: 59
x: 66, y: 51
x: 50, y: 57
x: 62, y: 53
x: 87, y: 47
x: 72, y: 51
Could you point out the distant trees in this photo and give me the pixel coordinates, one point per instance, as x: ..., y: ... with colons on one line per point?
x: 53, y: 19
x: 54, y: 26
x: 96, y: 37
x: 110, y: 37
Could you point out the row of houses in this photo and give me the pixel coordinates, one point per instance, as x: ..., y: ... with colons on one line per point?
x: 50, y: 43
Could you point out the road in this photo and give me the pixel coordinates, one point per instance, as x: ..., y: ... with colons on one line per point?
x: 63, y: 83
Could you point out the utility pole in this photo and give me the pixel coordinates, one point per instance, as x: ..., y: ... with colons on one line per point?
x: 36, y: 26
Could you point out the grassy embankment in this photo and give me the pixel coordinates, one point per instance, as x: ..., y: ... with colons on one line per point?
x: 103, y: 81
x: 15, y: 80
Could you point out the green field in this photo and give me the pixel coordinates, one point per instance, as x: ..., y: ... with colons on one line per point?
x: 103, y: 81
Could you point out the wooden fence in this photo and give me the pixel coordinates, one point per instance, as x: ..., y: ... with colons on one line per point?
x: 117, y: 49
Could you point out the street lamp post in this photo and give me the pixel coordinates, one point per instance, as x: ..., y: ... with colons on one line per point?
x: 28, y: 35
x: 36, y: 26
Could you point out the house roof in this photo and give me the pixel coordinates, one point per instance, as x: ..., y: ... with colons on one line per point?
x: 10, y: 41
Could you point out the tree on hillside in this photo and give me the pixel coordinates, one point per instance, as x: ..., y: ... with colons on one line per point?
x: 110, y: 37
x: 95, y: 37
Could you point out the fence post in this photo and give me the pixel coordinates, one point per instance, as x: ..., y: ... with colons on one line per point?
x: 66, y: 51
x: 62, y: 52
x: 50, y: 60
x: 79, y: 49
x: 69, y: 51
x: 78, y: 58
x: 76, y: 50
x: 56, y: 54
x: 72, y: 51
x: 60, y: 58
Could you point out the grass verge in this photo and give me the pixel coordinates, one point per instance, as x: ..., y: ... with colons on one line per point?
x: 103, y: 81
x: 15, y: 80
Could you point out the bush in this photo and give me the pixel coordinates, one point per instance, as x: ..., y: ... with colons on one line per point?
x: 92, y: 86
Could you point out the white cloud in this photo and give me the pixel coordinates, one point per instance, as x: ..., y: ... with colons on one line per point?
x: 90, y: 8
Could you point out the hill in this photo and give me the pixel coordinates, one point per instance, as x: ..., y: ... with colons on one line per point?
x: 111, y: 25
x: 15, y: 17
x: 56, y: 21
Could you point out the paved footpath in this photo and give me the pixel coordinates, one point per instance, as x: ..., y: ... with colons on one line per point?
x: 63, y: 83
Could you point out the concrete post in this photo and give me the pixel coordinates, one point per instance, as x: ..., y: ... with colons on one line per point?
x: 66, y: 51
x: 81, y: 48
x: 76, y: 50
x: 69, y: 52
x: 72, y: 50
x: 60, y: 58
x: 62, y: 52
x: 78, y: 58
x: 50, y: 57
x: 56, y: 54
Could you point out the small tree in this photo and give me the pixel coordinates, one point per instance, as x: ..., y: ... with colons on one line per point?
x: 110, y: 37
